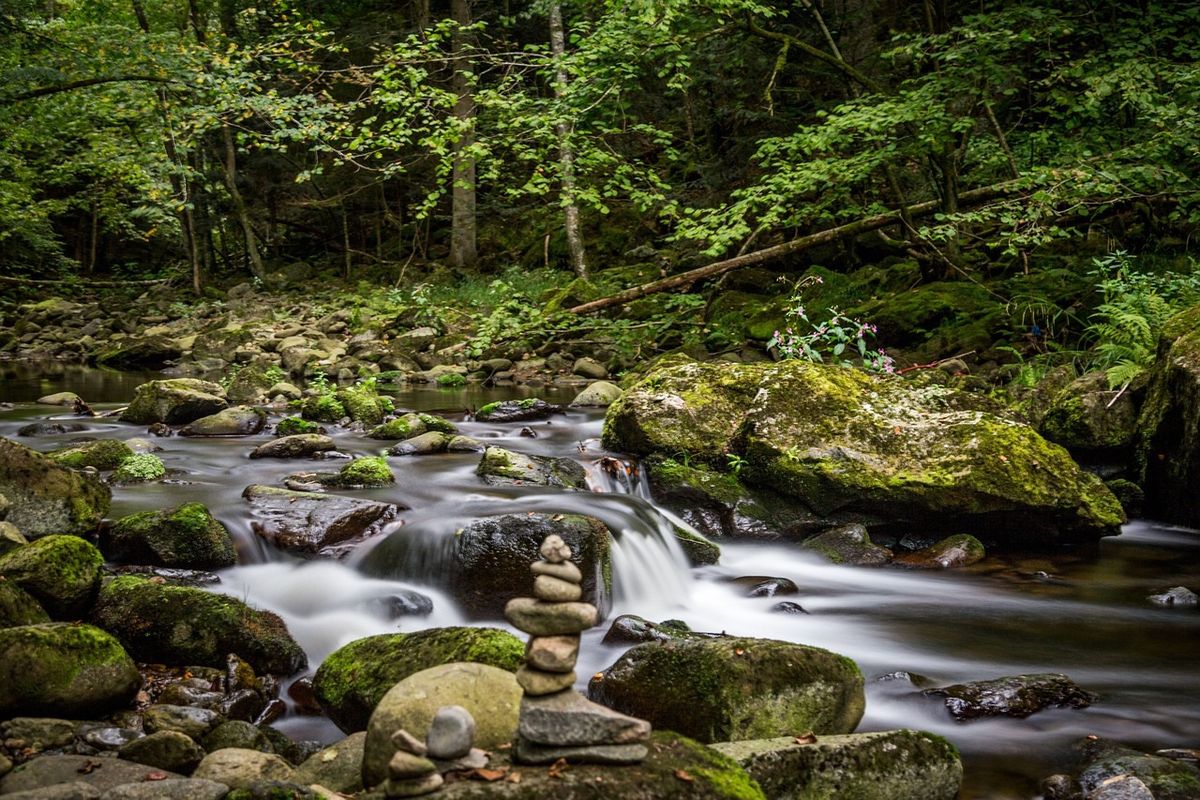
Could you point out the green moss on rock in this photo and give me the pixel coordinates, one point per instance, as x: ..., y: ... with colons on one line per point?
x: 63, y: 669
x: 353, y: 679
x: 368, y: 472
x: 290, y: 426
x: 103, y: 454
x: 734, y: 688
x: 182, y: 625
x: 323, y: 408
x: 61, y: 572
x: 186, y: 536
x: 139, y: 468
x: 177, y: 401
x: 404, y: 427
x: 17, y: 606
x: 47, y: 498
x: 363, y: 404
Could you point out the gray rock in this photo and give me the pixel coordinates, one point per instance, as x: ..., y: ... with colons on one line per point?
x: 50, y: 428
x: 176, y: 402
x: 307, y: 522
x: 536, y: 683
x: 887, y: 765
x: 40, y: 733
x: 413, y: 787
x: 300, y: 445
x: 1012, y: 696
x: 549, y: 619
x: 46, y: 498
x: 555, y: 590
x: 63, y: 668
x: 169, y: 789
x: 17, y: 606
x: 425, y: 444
x: 953, y: 552
x: 570, y: 719
x: 615, y: 754
x: 404, y: 766
x: 600, y: 394
x: 60, y: 791
x: 59, y: 399
x: 1175, y: 596
x: 337, y: 767
x: 239, y: 734
x: 110, y: 738
x: 193, y: 722
x: 240, y: 769
x: 99, y: 773
x: 589, y: 368
x: 465, y: 444
x: 516, y: 411
x: 1121, y: 787
x: 235, y: 421
x: 451, y: 733
x: 500, y: 467
x: 552, y: 653
x: 1110, y: 771
x: 165, y: 749
x: 849, y: 544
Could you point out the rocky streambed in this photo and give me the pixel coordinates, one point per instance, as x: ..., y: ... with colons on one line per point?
x: 874, y: 558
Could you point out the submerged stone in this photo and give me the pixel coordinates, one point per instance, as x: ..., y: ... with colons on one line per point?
x: 1012, y: 696
x: 300, y: 445
x: 952, y: 552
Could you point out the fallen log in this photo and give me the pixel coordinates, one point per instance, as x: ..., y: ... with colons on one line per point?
x: 794, y: 246
x: 83, y: 284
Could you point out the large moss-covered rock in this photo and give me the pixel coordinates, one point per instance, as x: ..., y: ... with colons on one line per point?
x: 299, y: 445
x: 47, y: 498
x: 235, y: 421
x: 65, y: 669
x: 101, y: 454
x: 846, y: 445
x: 61, y: 572
x: 309, y: 522
x: 17, y: 606
x: 353, y: 679
x: 186, y: 536
x: 734, y: 688
x: 1169, y: 427
x: 1088, y: 417
x: 371, y: 472
x: 530, y: 408
x: 676, y: 768
x: 183, y: 625
x: 489, y: 564
x: 1104, y: 762
x: 492, y: 695
x: 364, y: 404
x: 885, y: 765
x: 177, y: 401
x: 501, y: 467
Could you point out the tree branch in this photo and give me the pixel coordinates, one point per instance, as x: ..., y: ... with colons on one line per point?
x: 81, y: 84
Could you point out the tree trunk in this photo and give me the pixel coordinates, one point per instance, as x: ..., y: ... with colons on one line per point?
x: 239, y: 205
x: 566, y: 153
x: 462, y: 236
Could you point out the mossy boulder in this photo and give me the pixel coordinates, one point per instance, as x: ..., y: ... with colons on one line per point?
x: 735, y: 316
x: 323, y: 408
x: 935, y: 320
x: 182, y: 625
x: 490, y: 694
x: 501, y: 467
x: 177, y: 401
x: 291, y: 426
x: 849, y: 544
x: 411, y: 425
x: 1104, y: 762
x: 847, y: 446
x: 234, y: 421
x: 675, y: 768
x: 530, y: 408
x: 884, y: 765
x: 300, y: 445
x: 489, y: 563
x: 371, y: 472
x: 18, y: 607
x: 306, y: 523
x: 250, y: 385
x: 1088, y: 417
x: 187, y: 536
x: 102, y: 454
x: 730, y: 688
x: 61, y: 572
x: 139, y: 468
x: 46, y: 498
x: 1168, y: 445
x: 364, y: 404
x: 64, y: 669
x: 353, y: 679
x: 222, y: 343
x: 148, y: 352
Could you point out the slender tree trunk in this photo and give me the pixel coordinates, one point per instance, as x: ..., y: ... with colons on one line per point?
x: 239, y: 205
x: 462, y: 237
x: 566, y: 154
x: 421, y: 14
x: 92, y: 245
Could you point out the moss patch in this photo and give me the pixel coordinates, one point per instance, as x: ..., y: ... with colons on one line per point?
x: 186, y: 536
x: 103, y: 454
x: 290, y: 426
x: 47, y: 498
x: 61, y: 572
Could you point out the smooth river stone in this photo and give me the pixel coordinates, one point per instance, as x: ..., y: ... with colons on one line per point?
x: 539, y: 618
x: 406, y: 765
x: 570, y: 719
x: 566, y: 571
x: 538, y: 683
x: 552, y: 653
x: 555, y: 590
x: 451, y: 733
x: 530, y: 753
x: 413, y: 787
x: 555, y: 550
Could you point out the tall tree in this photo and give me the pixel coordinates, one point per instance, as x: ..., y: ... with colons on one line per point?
x: 463, y: 252
x: 566, y: 150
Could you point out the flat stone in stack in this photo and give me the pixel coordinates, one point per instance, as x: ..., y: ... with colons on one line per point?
x: 410, y: 773
x: 557, y: 722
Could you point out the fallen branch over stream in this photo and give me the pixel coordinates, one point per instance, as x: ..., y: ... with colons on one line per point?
x: 84, y: 284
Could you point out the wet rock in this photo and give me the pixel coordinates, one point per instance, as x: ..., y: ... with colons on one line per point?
x: 896, y: 765
x: 61, y: 572
x: 337, y: 767
x: 166, y: 749
x: 360, y: 473
x: 423, y: 445
x: 788, y: 607
x: 632, y: 629
x: 46, y: 498
x: 836, y: 441
x: 59, y: 399
x: 353, y: 679
x: 241, y: 769
x: 1088, y: 417
x: 952, y: 552
x: 849, y: 544
x: 176, y: 402
x: 1111, y: 771
x: 182, y: 625
x: 148, y: 353
x: 175, y: 577
x: 235, y: 421
x: 600, y: 394
x: 169, y: 789
x: 516, y: 411
x: 191, y: 722
x: 1175, y: 596
x: 465, y: 444
x: 763, y: 586
x: 186, y: 536
x: 568, y: 719
x: 734, y: 688
x: 237, y: 733
x: 110, y: 738
x: 40, y: 733
x: 300, y: 445
x: 101, y: 774
x: 101, y: 454
x: 1012, y: 696
x: 17, y: 607
x: 491, y: 695
x: 306, y: 522
x: 411, y: 425
x: 63, y: 668
x: 50, y: 428
x: 405, y: 603
x: 500, y: 467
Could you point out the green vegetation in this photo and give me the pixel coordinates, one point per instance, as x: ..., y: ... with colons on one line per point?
x: 140, y: 468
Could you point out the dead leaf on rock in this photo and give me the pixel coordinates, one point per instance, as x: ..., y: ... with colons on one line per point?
x: 155, y: 776
x: 557, y: 769
x: 488, y: 775
x: 808, y: 737
x: 89, y: 767
x: 514, y: 777
x: 683, y: 775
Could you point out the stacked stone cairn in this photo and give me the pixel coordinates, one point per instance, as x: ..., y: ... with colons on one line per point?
x: 417, y: 766
x: 556, y: 722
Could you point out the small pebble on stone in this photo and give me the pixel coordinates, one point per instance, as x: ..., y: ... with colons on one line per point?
x: 451, y: 733
x: 555, y: 550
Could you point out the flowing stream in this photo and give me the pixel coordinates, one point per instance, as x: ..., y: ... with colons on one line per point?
x: 1082, y: 612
